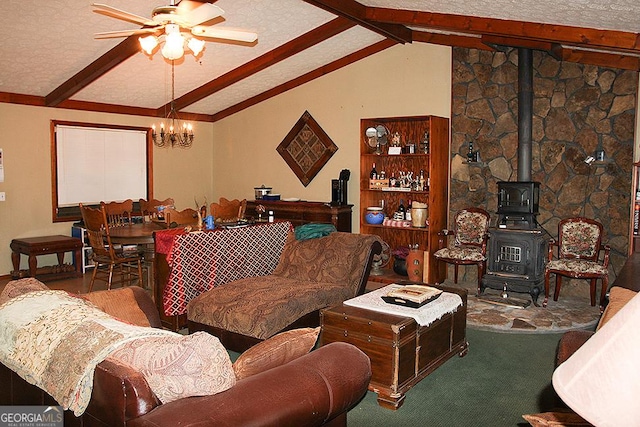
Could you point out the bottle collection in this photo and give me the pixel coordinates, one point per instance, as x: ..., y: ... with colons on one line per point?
x: 405, y: 181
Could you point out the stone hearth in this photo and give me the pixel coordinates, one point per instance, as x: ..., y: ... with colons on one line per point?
x: 569, y: 312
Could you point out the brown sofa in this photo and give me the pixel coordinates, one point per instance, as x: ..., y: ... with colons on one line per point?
x: 311, y: 275
x: 315, y: 389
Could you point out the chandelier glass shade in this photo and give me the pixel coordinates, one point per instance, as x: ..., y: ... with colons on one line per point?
x: 173, y: 131
x: 173, y: 43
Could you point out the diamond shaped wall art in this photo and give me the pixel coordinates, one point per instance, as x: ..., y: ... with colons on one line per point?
x: 306, y: 148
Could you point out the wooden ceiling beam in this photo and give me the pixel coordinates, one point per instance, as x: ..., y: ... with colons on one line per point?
x: 563, y: 34
x: 305, y: 78
x: 456, y: 40
x: 272, y: 57
x: 601, y: 59
x: 356, y: 12
x: 114, y: 57
x: 496, y: 42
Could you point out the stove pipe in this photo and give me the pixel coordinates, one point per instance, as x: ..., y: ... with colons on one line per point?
x: 525, y: 112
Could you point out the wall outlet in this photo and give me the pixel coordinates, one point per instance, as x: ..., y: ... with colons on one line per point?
x: 2, y: 196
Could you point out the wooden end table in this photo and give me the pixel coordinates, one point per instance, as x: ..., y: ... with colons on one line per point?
x: 401, y: 352
x: 34, y: 246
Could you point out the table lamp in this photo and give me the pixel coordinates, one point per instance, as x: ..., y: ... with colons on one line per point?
x: 601, y: 380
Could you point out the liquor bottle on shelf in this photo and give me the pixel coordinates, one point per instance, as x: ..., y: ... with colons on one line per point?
x: 402, y: 209
x: 407, y: 214
x: 392, y: 180
x: 374, y: 173
x: 422, y: 183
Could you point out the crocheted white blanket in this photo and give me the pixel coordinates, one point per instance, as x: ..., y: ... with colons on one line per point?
x: 424, y: 316
x: 55, y: 340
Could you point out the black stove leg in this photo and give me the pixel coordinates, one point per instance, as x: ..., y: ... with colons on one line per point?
x: 535, y: 291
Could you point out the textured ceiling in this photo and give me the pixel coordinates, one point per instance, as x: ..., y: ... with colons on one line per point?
x: 611, y: 14
x: 46, y: 43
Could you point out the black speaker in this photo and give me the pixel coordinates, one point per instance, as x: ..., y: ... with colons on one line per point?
x: 338, y: 192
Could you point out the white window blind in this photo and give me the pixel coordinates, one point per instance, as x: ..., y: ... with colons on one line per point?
x: 100, y: 164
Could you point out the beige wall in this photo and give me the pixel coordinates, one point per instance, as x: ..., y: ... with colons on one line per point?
x: 403, y: 80
x: 181, y: 174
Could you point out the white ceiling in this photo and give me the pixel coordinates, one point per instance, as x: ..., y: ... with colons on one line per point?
x: 45, y: 43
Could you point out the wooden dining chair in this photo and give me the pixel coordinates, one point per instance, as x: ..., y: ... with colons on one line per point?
x: 149, y: 208
x: 175, y: 218
x: 228, y: 210
x: 106, y: 258
x: 118, y: 213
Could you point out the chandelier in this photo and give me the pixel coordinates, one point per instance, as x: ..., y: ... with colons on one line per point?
x: 175, y: 132
x: 174, y: 43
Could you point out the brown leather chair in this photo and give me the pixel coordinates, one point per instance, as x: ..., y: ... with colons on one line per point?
x: 106, y: 258
x: 471, y: 226
x: 579, y: 246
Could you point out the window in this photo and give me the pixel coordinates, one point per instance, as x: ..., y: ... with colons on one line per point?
x: 93, y: 163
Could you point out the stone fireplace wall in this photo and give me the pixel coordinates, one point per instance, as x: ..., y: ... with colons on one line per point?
x: 577, y: 109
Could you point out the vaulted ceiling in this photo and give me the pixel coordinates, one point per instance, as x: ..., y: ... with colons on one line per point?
x: 50, y: 57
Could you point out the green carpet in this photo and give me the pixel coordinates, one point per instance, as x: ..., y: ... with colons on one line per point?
x: 502, y: 377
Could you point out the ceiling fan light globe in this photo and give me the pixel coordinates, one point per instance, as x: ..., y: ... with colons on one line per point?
x: 173, y: 46
x: 196, y: 46
x: 148, y: 44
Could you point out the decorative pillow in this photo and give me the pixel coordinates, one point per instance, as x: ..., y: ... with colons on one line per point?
x: 120, y: 303
x: 555, y: 419
x: 180, y: 366
x: 275, y: 351
x: 19, y: 287
x: 618, y: 297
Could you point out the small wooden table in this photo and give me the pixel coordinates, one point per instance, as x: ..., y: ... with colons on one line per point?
x: 402, y: 352
x: 34, y: 246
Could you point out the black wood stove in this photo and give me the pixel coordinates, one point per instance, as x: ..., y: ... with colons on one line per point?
x: 517, y: 246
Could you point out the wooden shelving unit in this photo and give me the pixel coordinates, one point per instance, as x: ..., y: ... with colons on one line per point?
x: 634, y: 239
x: 435, y: 165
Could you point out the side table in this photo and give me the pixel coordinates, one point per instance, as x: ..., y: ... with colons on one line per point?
x: 34, y: 246
x: 401, y: 352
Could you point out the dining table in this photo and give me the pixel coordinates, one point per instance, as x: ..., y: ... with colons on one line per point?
x: 141, y: 235
x: 136, y: 233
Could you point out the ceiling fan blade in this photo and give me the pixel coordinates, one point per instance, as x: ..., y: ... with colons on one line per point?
x: 196, y: 13
x: 113, y: 12
x: 223, y: 33
x: 124, y: 33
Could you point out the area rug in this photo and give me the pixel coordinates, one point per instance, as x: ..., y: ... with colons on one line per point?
x: 568, y: 313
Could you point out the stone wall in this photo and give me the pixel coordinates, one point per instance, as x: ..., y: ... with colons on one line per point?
x: 577, y: 109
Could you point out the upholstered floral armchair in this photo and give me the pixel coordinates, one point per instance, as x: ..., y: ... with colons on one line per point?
x: 471, y: 226
x: 579, y: 246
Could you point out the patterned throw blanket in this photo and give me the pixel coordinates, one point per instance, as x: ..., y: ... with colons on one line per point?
x: 55, y: 340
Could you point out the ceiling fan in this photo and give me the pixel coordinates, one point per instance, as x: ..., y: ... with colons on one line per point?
x: 172, y: 24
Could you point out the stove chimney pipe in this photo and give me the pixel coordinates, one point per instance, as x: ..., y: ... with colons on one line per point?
x: 525, y: 112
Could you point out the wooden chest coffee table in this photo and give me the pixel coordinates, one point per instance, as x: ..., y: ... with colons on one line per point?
x: 402, y: 352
